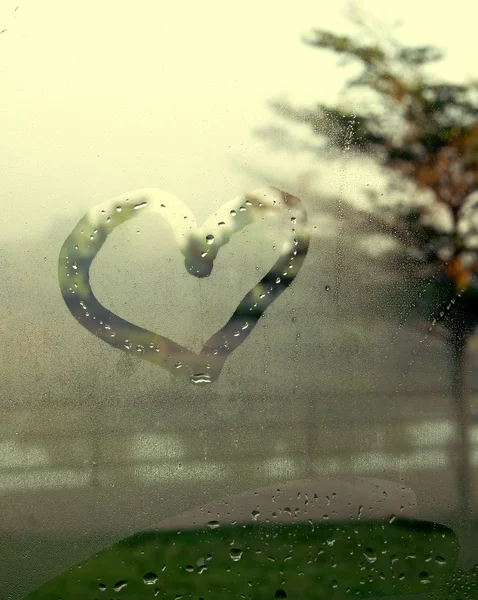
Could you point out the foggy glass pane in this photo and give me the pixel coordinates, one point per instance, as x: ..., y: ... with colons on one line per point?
x: 239, y: 350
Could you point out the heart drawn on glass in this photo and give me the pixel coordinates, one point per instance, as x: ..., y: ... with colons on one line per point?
x: 200, y: 246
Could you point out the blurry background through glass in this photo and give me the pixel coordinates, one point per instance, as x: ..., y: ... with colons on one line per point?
x: 365, y: 366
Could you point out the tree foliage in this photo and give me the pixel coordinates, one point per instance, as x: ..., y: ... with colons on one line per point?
x: 423, y: 131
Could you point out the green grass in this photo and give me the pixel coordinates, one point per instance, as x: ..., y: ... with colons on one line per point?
x: 304, y: 560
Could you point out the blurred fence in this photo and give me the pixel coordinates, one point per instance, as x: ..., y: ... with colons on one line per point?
x: 59, y: 449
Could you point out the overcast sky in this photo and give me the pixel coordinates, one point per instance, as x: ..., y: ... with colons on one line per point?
x: 98, y: 98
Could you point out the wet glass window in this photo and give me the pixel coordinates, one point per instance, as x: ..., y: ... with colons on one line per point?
x: 238, y: 300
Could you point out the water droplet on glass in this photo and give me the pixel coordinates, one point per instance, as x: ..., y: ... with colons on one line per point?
x: 189, y: 568
x: 139, y: 205
x: 102, y: 587
x: 233, y: 213
x: 327, y: 288
x: 179, y: 365
x: 255, y: 514
x: 75, y: 266
x: 120, y: 585
x: 278, y: 280
x: 221, y: 224
x: 210, y: 238
x: 370, y: 555
x: 118, y: 209
x: 235, y: 554
x: 440, y: 560
x: 128, y: 344
x: 150, y: 578
x: 424, y: 577
x: 331, y: 541
x: 213, y: 525
x: 200, y: 378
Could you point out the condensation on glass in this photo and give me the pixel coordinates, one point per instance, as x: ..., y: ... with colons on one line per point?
x: 331, y: 421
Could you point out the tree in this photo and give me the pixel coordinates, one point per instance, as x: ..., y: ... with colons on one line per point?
x: 424, y: 133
